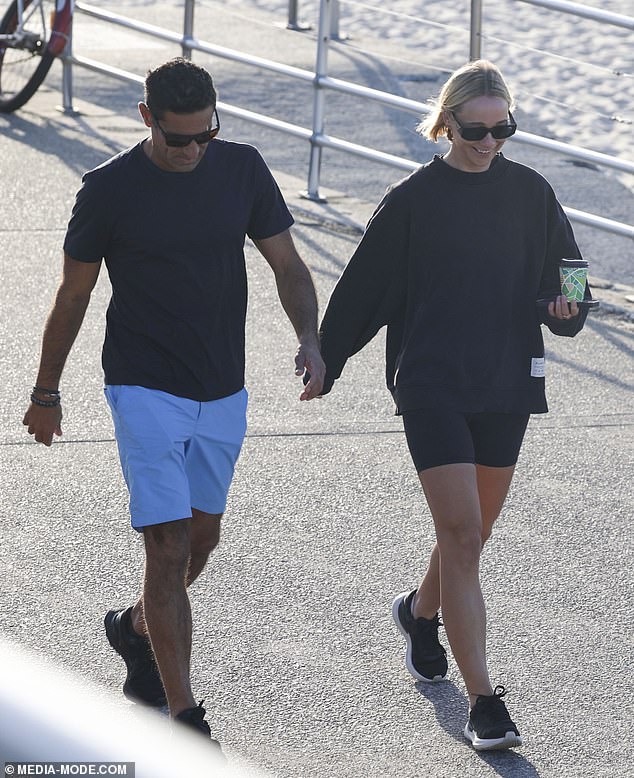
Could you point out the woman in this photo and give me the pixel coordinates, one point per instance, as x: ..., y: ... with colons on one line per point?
x: 453, y: 261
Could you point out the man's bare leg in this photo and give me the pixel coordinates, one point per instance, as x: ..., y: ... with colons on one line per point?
x: 205, y: 536
x: 176, y: 554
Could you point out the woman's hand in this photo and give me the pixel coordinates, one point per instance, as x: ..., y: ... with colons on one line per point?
x: 560, y: 308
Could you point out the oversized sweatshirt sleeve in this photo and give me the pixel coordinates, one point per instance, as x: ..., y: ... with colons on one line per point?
x: 371, y: 292
x: 560, y: 244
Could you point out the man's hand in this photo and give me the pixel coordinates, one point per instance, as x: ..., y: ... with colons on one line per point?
x: 62, y: 326
x: 297, y: 295
x: 43, y: 423
x: 308, y: 360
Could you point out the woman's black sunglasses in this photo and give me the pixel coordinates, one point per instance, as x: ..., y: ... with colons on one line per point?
x: 176, y: 140
x: 499, y: 132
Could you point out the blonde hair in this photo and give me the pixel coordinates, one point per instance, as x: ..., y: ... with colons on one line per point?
x: 475, y: 79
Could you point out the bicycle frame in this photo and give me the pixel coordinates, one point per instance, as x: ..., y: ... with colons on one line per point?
x: 60, y: 28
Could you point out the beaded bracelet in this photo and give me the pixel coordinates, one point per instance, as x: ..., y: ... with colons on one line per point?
x: 44, y: 403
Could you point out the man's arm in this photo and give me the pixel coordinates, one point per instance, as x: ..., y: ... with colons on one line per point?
x: 62, y: 326
x: 297, y: 295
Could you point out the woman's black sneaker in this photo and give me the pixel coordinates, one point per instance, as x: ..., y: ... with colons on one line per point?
x: 425, y: 658
x: 143, y: 683
x: 490, y: 727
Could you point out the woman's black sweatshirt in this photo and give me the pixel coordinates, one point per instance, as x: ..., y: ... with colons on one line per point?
x: 454, y: 263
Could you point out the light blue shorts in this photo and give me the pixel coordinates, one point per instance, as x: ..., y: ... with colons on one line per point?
x: 176, y: 454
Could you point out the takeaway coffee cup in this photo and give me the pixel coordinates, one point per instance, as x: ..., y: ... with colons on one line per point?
x: 573, y: 274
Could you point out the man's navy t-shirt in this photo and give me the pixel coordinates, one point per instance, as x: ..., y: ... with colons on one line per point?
x: 173, y: 244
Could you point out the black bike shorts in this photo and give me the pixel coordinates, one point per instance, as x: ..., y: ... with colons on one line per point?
x: 436, y: 437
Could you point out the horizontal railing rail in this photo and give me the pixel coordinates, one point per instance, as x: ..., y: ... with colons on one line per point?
x: 321, y: 82
x: 585, y: 11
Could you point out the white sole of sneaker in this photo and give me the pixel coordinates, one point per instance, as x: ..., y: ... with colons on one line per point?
x: 408, y: 653
x: 510, y: 740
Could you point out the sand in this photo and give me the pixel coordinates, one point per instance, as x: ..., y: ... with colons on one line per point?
x: 573, y: 78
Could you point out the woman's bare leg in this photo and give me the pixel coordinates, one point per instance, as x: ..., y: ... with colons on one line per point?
x: 464, y: 500
x: 493, y: 487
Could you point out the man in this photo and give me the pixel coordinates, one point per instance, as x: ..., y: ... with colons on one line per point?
x: 169, y: 216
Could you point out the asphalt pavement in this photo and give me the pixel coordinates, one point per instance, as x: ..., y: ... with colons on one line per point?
x: 295, y: 652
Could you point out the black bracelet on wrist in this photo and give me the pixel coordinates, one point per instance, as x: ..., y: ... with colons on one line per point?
x: 45, y: 403
x: 48, y: 392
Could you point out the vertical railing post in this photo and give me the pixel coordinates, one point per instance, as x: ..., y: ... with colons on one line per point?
x: 475, y: 43
x: 188, y: 28
x: 292, y: 15
x: 67, y: 74
x: 293, y: 21
x: 321, y: 71
x: 334, y: 20
x: 335, y: 13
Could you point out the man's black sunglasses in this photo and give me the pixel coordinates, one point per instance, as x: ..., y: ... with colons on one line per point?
x: 499, y: 132
x: 176, y: 140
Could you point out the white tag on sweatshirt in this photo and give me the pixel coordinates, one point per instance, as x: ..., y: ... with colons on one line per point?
x: 538, y: 367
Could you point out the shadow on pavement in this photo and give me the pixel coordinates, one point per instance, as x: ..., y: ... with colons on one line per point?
x: 450, y: 706
x: 612, y: 335
x: 72, y: 139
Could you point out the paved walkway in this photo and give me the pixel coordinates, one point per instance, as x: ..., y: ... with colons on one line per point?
x: 296, y: 654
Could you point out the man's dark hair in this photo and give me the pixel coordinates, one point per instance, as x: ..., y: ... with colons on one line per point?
x: 178, y: 86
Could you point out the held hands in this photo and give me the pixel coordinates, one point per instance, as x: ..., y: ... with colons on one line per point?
x: 560, y: 308
x: 43, y: 423
x: 308, y: 360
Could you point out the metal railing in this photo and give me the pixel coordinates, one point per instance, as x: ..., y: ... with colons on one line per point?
x: 320, y: 82
x: 586, y: 11
x: 294, y: 23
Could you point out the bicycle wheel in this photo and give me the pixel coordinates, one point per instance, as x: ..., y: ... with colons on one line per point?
x: 24, y: 59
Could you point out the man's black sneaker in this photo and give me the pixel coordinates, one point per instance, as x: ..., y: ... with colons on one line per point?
x: 425, y: 658
x: 194, y: 719
x: 490, y: 727
x: 143, y: 683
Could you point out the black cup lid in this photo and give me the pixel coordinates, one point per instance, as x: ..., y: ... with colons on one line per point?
x: 573, y: 263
